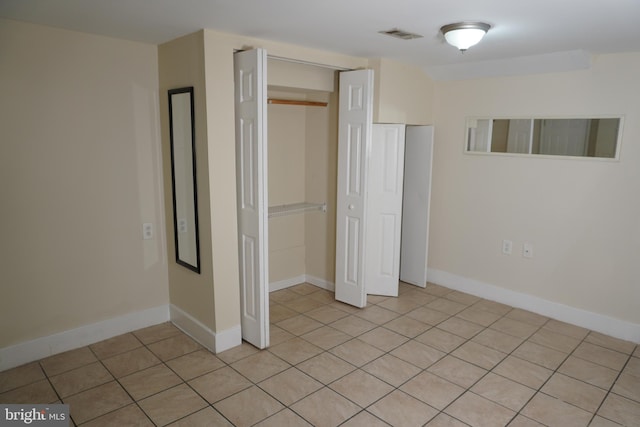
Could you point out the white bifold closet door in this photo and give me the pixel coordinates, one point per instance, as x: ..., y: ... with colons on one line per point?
x: 369, y: 196
x: 250, y: 76
x: 384, y: 209
x: 354, y: 142
x: 395, y: 220
x: 418, y: 162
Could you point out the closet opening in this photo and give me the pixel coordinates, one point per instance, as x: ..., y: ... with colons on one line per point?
x: 288, y: 152
x: 302, y: 129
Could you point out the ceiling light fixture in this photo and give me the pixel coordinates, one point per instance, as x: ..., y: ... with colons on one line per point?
x: 463, y: 35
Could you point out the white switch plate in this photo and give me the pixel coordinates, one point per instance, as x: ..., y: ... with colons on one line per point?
x: 527, y: 250
x: 147, y: 231
x: 507, y: 246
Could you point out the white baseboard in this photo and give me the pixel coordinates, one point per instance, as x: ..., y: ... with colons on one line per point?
x: 40, y: 348
x: 214, y: 341
x: 321, y: 283
x: 303, y: 278
x: 287, y: 283
x: 228, y: 338
x: 617, y: 328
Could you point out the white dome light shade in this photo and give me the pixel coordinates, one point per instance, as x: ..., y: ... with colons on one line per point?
x: 465, y: 38
x: 463, y: 35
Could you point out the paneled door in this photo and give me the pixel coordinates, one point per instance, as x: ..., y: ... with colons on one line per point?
x: 384, y: 209
x: 418, y: 162
x: 354, y: 143
x: 250, y: 76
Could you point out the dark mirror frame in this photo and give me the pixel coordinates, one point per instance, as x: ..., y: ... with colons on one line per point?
x: 179, y: 259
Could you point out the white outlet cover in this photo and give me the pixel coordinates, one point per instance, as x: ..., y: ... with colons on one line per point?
x: 147, y: 231
x: 507, y: 246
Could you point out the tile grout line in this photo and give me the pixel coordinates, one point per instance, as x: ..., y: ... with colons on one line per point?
x: 359, y: 368
x: 397, y: 388
x: 541, y: 326
x: 383, y: 325
x: 468, y: 389
x: 555, y: 371
x: 117, y: 380
x: 610, y: 391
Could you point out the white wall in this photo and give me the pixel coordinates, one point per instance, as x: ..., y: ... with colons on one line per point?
x: 582, y: 216
x: 80, y: 172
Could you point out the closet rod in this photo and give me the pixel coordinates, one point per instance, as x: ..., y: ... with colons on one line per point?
x: 295, y: 102
x: 303, y: 62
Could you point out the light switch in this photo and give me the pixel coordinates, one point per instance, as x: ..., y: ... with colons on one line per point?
x: 507, y: 245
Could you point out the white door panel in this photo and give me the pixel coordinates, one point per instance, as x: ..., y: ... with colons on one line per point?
x: 251, y: 168
x: 415, y: 210
x: 384, y: 210
x: 354, y: 141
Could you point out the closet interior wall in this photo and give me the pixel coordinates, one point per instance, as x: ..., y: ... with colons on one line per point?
x: 302, y: 162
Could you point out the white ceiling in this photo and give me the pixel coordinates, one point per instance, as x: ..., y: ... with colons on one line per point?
x: 526, y: 36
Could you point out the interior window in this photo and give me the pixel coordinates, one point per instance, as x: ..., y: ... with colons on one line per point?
x: 577, y: 137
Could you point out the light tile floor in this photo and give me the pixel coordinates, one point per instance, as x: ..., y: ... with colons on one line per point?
x: 431, y: 357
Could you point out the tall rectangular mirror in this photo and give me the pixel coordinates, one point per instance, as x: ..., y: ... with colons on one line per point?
x: 183, y: 178
x: 575, y: 137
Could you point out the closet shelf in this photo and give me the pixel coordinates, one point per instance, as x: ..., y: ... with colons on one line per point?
x: 295, y: 208
x: 296, y: 102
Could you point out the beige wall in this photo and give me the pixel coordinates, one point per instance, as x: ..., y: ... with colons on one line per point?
x: 286, y: 170
x: 290, y: 75
x: 218, y: 60
x: 181, y: 64
x: 582, y: 216
x: 402, y: 94
x: 321, y: 165
x: 302, y: 168
x: 80, y: 172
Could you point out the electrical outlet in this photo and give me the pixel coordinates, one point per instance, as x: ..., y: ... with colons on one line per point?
x: 182, y: 225
x: 527, y: 250
x: 507, y: 245
x: 147, y: 231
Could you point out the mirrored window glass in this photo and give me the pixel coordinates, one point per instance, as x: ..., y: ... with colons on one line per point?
x: 577, y: 137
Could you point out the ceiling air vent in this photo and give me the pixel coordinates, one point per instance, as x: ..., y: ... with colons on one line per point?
x: 399, y: 34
